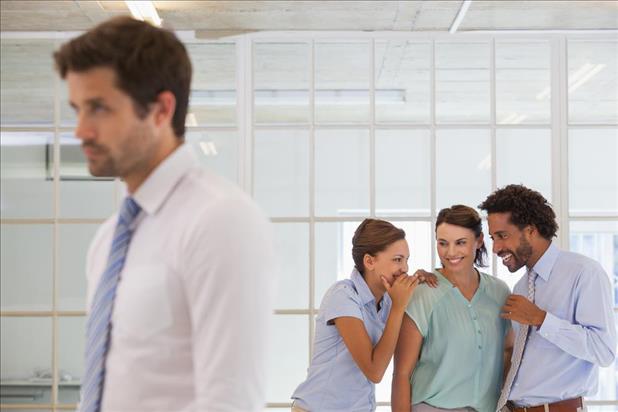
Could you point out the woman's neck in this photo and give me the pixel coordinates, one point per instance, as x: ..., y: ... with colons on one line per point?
x: 375, y: 285
x: 463, y: 278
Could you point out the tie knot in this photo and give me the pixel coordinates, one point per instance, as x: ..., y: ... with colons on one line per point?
x: 128, y: 211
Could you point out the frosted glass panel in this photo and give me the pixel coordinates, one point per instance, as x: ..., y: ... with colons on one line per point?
x: 26, y: 276
x: 342, y: 172
x: 517, y: 164
x: 593, y: 172
x: 418, y: 236
x: 74, y: 241
x: 213, y: 87
x: 402, y: 81
x: 463, y: 169
x: 26, y: 172
x: 593, y: 81
x: 402, y: 163
x: 281, y: 172
x: 288, y: 356
x: 523, y: 92
x: 333, y: 255
x: 342, y: 82
x: 292, y: 246
x: 462, y: 82
x: 217, y: 150
x: 26, y: 360
x: 281, y: 81
x: 28, y: 82
x: 71, y: 349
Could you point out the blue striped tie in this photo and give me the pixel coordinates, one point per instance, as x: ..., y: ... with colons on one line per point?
x: 99, y: 321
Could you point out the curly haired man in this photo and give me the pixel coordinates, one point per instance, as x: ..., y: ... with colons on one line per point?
x: 561, y: 310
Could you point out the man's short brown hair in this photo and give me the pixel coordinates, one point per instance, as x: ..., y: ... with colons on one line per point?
x: 147, y: 60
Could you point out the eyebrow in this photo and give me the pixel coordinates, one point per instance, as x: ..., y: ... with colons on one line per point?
x: 90, y: 102
x: 456, y: 240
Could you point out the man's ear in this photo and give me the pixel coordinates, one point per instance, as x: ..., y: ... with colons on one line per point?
x: 164, y: 108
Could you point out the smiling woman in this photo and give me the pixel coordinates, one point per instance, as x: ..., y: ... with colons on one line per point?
x: 452, y: 343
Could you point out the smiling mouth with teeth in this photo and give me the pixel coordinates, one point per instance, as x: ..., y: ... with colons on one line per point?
x: 507, y: 258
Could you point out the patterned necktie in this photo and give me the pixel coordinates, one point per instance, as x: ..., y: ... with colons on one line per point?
x: 518, y: 349
x: 99, y: 320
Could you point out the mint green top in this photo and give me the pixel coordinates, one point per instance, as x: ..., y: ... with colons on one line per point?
x: 460, y: 364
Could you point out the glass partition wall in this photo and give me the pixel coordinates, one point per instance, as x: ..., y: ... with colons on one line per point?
x: 322, y: 129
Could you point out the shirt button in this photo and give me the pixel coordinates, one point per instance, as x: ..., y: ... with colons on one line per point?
x: 478, y: 331
x: 479, y: 346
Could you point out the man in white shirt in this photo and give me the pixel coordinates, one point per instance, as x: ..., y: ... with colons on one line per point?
x: 189, y: 299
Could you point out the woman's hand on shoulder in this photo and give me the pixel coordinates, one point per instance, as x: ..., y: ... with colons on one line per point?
x: 401, y: 290
x: 428, y: 278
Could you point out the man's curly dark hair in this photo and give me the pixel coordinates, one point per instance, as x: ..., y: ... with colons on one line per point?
x: 527, y: 207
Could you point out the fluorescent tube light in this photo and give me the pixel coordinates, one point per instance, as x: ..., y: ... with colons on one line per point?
x: 145, y: 11
x: 460, y: 16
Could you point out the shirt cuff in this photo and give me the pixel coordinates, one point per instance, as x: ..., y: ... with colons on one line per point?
x: 550, y: 326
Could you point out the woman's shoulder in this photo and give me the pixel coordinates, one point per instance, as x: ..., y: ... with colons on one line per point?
x: 341, y: 289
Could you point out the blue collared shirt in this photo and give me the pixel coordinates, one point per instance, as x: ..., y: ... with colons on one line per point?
x: 334, y: 381
x: 562, y: 357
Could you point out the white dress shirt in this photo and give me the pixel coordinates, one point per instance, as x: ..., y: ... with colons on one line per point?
x: 189, y: 324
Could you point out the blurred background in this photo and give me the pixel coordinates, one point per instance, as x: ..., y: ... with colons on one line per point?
x: 326, y: 112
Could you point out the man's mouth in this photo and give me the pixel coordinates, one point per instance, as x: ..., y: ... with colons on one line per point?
x: 506, y: 258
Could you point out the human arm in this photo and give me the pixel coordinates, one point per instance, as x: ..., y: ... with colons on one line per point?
x: 590, y: 334
x: 228, y: 277
x: 406, y: 355
x: 373, y: 360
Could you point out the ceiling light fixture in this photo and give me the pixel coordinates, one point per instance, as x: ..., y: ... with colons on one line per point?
x: 145, y: 11
x: 460, y: 16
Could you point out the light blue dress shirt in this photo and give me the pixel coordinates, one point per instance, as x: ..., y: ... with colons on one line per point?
x: 461, y: 360
x: 334, y: 381
x: 562, y: 357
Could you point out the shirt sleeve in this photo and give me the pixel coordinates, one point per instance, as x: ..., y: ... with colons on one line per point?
x: 420, y: 307
x: 341, y: 301
x: 229, y: 277
x: 592, y: 335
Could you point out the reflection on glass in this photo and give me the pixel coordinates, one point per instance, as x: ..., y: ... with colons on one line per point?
x: 26, y: 275
x: 28, y: 82
x: 217, y: 150
x: 463, y: 168
x: 71, y: 349
x: 341, y: 173
x: 593, y: 172
x: 74, y: 241
x: 25, y: 354
x: 281, y: 79
x: 402, y: 81
x: 462, y: 82
x: 402, y: 162
x: 81, y: 194
x: 342, y: 82
x: 288, y: 356
x: 213, y: 87
x: 593, y: 81
x: 27, y: 174
x: 523, y: 92
x: 512, y: 147
x: 292, y: 248
x: 281, y: 172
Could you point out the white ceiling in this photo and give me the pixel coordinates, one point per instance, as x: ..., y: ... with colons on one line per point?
x: 17, y: 15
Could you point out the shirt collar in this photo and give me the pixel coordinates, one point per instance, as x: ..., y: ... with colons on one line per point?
x: 158, y: 186
x: 361, y: 287
x: 545, y: 264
